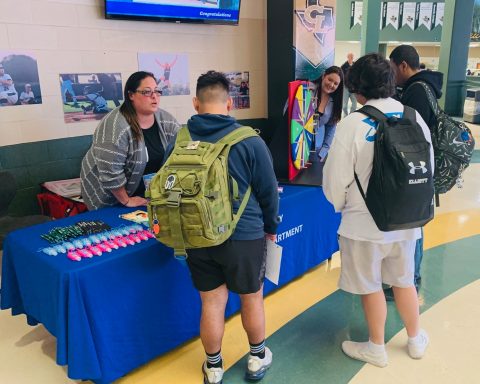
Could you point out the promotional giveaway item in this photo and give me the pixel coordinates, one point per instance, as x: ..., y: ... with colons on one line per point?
x: 82, y: 247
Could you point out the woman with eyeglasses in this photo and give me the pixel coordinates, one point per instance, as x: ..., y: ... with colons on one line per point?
x: 128, y: 143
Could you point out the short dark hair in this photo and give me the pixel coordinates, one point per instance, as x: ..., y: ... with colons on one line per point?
x: 406, y: 53
x: 371, y: 76
x: 212, y: 86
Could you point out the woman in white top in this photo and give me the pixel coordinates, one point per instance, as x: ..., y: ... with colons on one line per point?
x: 370, y: 256
x: 329, y: 94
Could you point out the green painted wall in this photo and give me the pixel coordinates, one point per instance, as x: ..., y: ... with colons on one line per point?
x: 35, y: 163
x: 344, y: 33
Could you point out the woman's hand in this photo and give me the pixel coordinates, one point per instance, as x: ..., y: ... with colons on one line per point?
x: 135, y: 201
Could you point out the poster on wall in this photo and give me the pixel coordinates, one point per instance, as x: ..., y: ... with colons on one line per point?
x: 475, y: 35
x: 19, y: 80
x: 170, y: 70
x: 393, y: 15
x: 426, y: 15
x: 356, y: 11
x: 314, y: 37
x: 408, y: 15
x: 239, y: 88
x: 439, y: 13
x: 89, y: 96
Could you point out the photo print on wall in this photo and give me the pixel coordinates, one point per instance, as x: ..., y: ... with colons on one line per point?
x: 89, y: 96
x: 239, y: 88
x: 170, y: 70
x: 19, y: 80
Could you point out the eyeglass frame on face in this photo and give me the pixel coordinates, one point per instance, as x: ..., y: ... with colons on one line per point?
x: 149, y: 92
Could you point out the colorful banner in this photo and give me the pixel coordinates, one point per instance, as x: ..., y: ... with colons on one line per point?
x: 393, y: 15
x: 19, y: 81
x: 408, y: 15
x: 314, y: 37
x: 356, y: 11
x: 426, y: 15
x: 440, y: 11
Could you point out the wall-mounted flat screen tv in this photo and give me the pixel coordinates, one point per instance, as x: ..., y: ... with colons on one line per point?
x: 181, y: 11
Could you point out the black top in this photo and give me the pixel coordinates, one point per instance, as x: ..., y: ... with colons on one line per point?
x: 345, y: 67
x: 414, y: 95
x: 155, y: 152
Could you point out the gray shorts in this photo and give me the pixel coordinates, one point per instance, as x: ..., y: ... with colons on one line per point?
x: 366, y: 265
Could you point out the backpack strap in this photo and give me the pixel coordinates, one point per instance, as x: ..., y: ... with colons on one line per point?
x: 376, y: 115
x: 183, y: 135
x: 230, y: 140
x: 409, y: 113
x: 373, y: 112
x: 432, y: 100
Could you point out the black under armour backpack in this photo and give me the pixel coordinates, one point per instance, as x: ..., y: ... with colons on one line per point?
x: 400, y: 190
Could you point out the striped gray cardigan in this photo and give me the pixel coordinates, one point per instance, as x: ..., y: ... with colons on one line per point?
x: 116, y: 159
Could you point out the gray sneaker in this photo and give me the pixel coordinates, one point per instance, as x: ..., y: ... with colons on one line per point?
x: 257, y: 367
x: 212, y: 375
x: 360, y: 351
x: 417, y: 350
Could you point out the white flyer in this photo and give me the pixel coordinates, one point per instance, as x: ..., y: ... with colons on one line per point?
x: 273, y: 261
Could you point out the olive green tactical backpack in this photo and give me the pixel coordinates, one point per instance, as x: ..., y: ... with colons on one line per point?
x: 190, y: 198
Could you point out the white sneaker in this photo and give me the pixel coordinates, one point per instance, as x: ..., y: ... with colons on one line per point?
x: 257, y: 367
x: 416, y: 349
x: 360, y: 351
x: 212, y: 375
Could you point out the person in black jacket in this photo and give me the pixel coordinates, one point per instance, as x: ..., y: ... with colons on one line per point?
x: 346, y: 94
x: 406, y: 63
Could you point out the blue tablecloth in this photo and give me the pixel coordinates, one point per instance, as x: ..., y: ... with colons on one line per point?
x: 115, y: 312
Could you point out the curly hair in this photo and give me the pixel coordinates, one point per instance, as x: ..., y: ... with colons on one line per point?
x: 371, y: 76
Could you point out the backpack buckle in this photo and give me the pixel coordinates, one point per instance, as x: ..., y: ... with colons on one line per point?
x: 173, y: 199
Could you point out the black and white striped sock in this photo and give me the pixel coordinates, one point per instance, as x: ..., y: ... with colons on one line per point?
x: 214, y: 360
x: 258, y: 349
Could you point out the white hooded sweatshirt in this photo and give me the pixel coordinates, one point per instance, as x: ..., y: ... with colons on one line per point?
x: 352, y: 149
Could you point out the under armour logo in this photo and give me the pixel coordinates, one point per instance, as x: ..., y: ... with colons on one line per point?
x: 170, y: 182
x: 413, y: 167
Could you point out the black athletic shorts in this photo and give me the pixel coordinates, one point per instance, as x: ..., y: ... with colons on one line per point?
x: 240, y: 264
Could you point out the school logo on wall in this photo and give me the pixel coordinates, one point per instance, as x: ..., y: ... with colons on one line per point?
x: 314, y: 37
x: 317, y: 19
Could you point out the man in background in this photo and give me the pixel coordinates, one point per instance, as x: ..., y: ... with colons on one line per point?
x: 346, y: 94
x: 409, y: 76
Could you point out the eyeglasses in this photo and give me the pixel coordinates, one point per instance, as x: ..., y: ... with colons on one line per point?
x: 148, y: 92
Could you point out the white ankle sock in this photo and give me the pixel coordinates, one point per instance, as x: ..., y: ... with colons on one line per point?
x: 376, y: 348
x: 415, y: 339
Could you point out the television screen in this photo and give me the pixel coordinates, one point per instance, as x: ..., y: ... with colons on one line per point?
x: 191, y: 11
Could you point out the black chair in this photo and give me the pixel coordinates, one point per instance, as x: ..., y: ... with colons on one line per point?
x: 8, y: 189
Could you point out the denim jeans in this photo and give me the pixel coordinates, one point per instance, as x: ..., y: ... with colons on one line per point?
x: 418, y: 260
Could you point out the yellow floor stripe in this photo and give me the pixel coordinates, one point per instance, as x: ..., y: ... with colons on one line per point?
x: 183, y: 364
x: 452, y: 226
